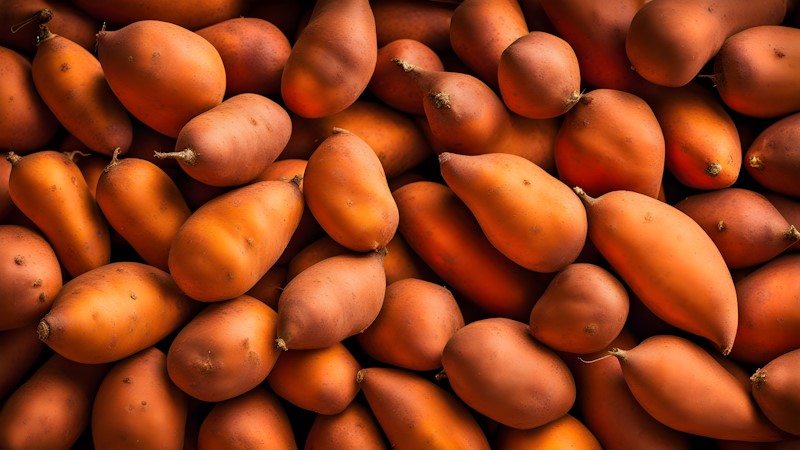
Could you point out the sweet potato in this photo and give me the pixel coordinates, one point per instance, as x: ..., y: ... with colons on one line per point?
x: 355, y: 427
x: 390, y: 85
x: 754, y: 71
x: 20, y: 20
x: 26, y: 123
x: 251, y: 420
x: 582, y: 310
x: 510, y: 396
x: 440, y: 228
x: 143, y: 204
x: 532, y: 217
x: 321, y: 380
x: 345, y: 188
x: 464, y: 114
x: 163, y: 73
x: 233, y: 142
x: 137, y: 405
x: 401, y: 262
x: 746, y: 228
x: 703, y: 149
x: 53, y: 407
x: 538, y: 76
x: 395, y: 137
x: 611, y: 140
x: 670, y: 41
x: 667, y: 261
x: 776, y: 389
x: 597, y: 33
x: 114, y: 311
x: 71, y: 220
x: 225, y: 350
x: 480, y: 30
x: 414, y: 412
x: 253, y: 51
x: 604, y: 401
x: 21, y: 351
x: 230, y: 242
x: 564, y: 432
x: 789, y: 207
x: 6, y: 204
x: 655, y: 371
x: 320, y: 249
x: 268, y: 289
x: 331, y: 60
x: 773, y: 159
x: 71, y: 82
x: 424, y: 21
x: 30, y: 273
x: 333, y: 299
x: 416, y: 320
x: 768, y: 312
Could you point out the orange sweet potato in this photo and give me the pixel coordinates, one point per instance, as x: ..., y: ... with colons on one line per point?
x: 163, y: 73
x: 72, y: 222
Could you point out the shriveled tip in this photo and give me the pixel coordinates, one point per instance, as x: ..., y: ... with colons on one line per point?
x: 43, y: 330
x: 444, y: 157
x: 360, y: 375
x: 619, y: 353
x: 406, y: 66
x: 586, y: 198
x: 280, y: 344
x: 758, y: 378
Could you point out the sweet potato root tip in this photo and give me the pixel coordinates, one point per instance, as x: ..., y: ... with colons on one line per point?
x: 406, y: 66
x: 755, y: 162
x: 187, y: 155
x: 440, y: 100
x: 114, y: 161
x: 43, y: 330
x: 619, y: 353
x: 41, y: 17
x: 713, y: 169
x: 281, y: 344
x: 758, y: 378
x: 792, y: 234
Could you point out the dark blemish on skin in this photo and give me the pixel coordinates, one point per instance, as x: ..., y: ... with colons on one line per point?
x: 19, y: 260
x: 65, y: 67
